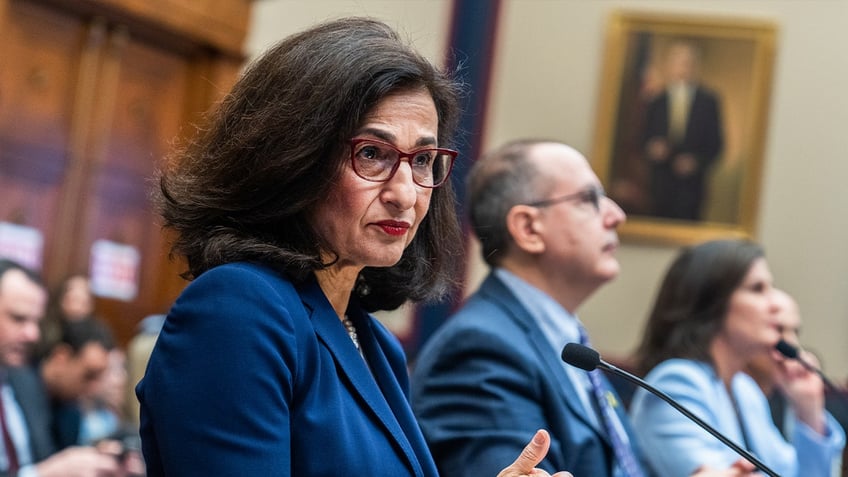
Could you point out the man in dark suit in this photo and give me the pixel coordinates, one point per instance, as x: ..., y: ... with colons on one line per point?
x: 492, y: 374
x: 682, y: 138
x: 27, y: 448
x: 71, y: 370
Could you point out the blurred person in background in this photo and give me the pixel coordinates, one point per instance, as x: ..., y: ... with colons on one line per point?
x: 104, y: 411
x: 29, y: 449
x: 766, y: 371
x: 138, y: 354
x: 717, y: 310
x: 71, y: 300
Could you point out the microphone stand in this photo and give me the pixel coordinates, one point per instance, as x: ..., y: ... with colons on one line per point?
x: 656, y: 392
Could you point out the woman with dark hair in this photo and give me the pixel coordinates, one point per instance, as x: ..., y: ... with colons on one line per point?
x: 716, y: 311
x: 318, y: 193
x: 71, y: 300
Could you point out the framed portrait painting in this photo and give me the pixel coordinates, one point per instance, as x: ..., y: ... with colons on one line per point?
x: 681, y: 124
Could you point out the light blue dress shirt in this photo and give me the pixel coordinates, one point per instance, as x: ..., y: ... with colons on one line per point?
x: 560, y: 327
x: 15, y: 423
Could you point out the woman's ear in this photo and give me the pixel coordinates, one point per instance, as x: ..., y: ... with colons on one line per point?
x: 525, y: 227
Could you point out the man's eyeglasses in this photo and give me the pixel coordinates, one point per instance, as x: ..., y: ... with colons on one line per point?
x: 377, y: 161
x: 589, y: 196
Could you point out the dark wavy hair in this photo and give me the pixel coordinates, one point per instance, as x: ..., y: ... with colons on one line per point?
x: 244, y: 187
x: 692, y: 302
x: 77, y: 334
x: 51, y: 324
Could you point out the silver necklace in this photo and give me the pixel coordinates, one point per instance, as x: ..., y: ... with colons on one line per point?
x: 351, y: 331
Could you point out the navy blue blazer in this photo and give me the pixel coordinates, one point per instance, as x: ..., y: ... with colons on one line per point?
x: 487, y: 380
x: 252, y: 375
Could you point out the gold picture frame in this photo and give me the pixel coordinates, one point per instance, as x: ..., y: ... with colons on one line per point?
x: 702, y: 179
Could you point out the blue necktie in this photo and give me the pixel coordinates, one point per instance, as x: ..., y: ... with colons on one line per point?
x: 615, y: 429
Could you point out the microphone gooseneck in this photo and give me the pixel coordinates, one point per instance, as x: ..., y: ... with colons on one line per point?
x: 588, y: 359
x: 792, y: 352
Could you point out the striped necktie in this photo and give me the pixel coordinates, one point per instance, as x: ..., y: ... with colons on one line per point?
x: 624, y: 454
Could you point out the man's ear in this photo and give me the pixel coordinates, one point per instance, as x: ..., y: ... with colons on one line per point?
x: 524, y: 226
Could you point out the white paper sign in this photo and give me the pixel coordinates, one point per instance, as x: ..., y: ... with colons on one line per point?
x: 114, y: 270
x: 22, y: 244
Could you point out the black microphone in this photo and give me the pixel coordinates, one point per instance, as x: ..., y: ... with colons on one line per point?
x: 791, y: 352
x: 588, y: 359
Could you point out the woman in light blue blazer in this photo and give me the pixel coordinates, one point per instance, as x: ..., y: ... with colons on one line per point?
x: 716, y: 310
x: 317, y: 194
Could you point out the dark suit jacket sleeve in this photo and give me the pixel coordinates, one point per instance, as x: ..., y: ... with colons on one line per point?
x: 656, y: 119
x: 474, y: 396
x: 704, y: 137
x: 213, y: 381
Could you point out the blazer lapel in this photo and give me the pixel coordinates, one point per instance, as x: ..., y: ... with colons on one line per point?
x: 375, y: 345
x: 495, y: 290
x: 351, y: 365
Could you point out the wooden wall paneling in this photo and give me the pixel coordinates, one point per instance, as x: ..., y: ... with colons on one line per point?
x: 93, y: 94
x: 4, y: 7
x: 83, y: 126
x: 219, y: 24
x: 46, y: 59
x: 139, y: 116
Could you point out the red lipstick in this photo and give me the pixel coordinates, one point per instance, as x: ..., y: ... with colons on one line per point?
x: 393, y: 227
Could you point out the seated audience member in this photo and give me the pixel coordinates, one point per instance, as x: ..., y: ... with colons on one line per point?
x: 492, y: 374
x: 765, y: 371
x: 765, y: 368
x: 715, y: 312
x: 104, y: 410
x: 93, y: 418
x: 138, y: 354
x: 72, y: 300
x: 71, y: 372
x: 30, y: 449
x: 105, y: 419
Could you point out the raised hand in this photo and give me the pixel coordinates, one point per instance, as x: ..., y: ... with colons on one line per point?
x: 533, y: 453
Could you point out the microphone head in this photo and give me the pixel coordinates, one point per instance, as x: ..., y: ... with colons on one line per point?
x: 787, y: 349
x: 581, y: 356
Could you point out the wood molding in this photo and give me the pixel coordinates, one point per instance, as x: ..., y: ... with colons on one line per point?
x: 216, y: 24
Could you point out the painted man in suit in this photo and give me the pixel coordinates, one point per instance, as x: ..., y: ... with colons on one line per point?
x: 682, y: 138
x: 492, y: 374
x: 27, y: 448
